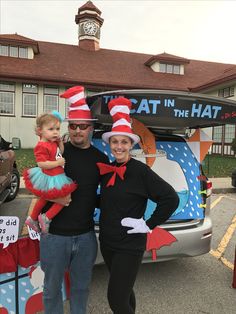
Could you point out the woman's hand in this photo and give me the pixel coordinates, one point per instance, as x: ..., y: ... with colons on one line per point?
x: 138, y: 225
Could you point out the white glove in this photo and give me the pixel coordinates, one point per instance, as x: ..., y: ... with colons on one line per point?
x: 138, y: 225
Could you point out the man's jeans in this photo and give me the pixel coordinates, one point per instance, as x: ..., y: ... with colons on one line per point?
x: 58, y: 254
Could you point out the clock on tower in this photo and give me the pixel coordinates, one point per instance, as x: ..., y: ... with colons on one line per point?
x: 90, y: 28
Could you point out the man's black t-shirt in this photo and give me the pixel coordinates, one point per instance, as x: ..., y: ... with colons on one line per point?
x: 80, y: 166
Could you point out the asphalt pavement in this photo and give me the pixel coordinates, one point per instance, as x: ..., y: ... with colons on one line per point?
x: 209, y: 292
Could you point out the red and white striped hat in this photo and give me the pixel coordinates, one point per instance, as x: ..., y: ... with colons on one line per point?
x: 78, y: 109
x: 120, y: 111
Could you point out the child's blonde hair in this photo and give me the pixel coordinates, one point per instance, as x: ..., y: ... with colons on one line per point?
x: 43, y: 119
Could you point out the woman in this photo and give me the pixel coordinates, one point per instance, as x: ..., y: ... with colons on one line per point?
x: 126, y: 186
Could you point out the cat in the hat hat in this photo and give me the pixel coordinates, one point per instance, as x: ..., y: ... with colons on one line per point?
x: 79, y: 117
x: 78, y: 109
x: 120, y: 112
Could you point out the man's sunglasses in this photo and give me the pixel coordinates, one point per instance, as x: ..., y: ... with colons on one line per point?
x: 74, y: 126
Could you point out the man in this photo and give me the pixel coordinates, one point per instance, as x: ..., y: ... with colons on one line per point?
x: 71, y: 242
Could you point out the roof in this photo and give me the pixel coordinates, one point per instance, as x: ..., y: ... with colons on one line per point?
x: 88, y: 10
x: 166, y: 57
x: 228, y: 75
x: 105, y: 68
x: 89, y: 6
x: 10, y: 39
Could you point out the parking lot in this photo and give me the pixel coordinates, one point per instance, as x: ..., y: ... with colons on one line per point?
x: 201, y: 284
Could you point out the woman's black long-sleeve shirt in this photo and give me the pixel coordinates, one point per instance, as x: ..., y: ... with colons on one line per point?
x: 128, y: 198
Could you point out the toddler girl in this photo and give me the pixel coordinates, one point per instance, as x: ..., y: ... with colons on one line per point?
x: 47, y: 181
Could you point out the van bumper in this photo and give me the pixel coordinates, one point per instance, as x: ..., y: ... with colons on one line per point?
x: 193, y: 240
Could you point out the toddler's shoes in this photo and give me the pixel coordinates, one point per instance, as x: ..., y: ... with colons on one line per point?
x: 44, y: 222
x: 33, y: 224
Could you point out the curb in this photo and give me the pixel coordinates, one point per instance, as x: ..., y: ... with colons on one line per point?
x: 24, y: 191
x: 223, y: 190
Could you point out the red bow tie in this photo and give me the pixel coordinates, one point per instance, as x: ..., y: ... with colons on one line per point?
x: 104, y: 168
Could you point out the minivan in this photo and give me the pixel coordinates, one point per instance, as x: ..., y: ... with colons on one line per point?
x: 171, y: 117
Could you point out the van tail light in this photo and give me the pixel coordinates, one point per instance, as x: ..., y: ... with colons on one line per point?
x: 208, y: 188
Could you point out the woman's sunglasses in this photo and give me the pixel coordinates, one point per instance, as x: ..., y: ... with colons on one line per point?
x: 74, y: 126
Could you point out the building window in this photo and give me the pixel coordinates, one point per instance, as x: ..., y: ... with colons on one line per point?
x: 3, y: 50
x: 23, y: 52
x: 50, y: 98
x: 67, y: 105
x: 176, y: 69
x: 217, y: 134
x: 7, y: 97
x: 30, y: 94
x: 229, y: 133
x: 226, y: 92
x: 170, y: 68
x: 162, y: 67
x: 14, y: 51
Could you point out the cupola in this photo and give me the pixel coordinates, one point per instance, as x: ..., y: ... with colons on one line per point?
x: 89, y: 24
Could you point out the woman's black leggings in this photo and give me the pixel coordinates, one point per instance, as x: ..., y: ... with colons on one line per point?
x: 123, y: 268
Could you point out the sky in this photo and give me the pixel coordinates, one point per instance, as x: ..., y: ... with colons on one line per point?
x: 198, y: 30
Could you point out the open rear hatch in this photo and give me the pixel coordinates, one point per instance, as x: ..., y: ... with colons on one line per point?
x: 168, y: 109
x: 176, y: 159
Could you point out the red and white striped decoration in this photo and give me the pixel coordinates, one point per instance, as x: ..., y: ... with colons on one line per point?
x: 78, y: 109
x: 120, y: 112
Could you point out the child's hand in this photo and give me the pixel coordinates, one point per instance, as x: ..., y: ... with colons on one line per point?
x: 61, y: 162
x: 59, y: 140
x: 61, y: 145
x: 65, y: 201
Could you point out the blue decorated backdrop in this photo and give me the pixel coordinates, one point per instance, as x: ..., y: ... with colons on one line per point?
x: 190, y: 199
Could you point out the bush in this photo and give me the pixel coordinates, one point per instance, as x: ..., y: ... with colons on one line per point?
x: 216, y: 166
x: 25, y: 159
